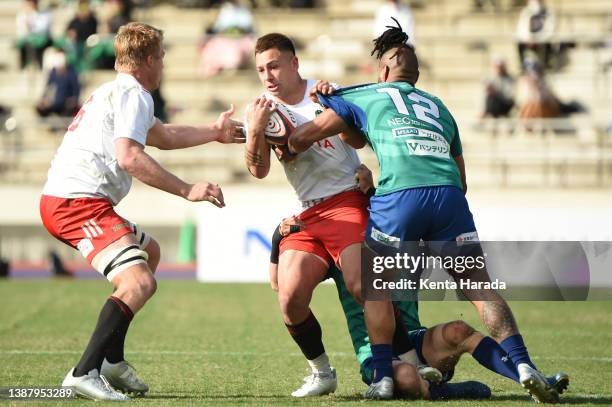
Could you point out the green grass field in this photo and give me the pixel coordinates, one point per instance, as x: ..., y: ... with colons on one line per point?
x: 226, y: 344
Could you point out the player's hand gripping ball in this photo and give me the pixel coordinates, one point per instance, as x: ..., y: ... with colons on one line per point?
x: 281, y: 124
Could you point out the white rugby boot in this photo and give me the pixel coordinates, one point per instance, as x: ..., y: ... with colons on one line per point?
x: 93, y: 386
x: 122, y: 376
x: 536, y: 384
x: 381, y: 390
x: 318, y: 384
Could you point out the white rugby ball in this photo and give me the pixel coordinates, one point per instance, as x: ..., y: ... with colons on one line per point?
x: 280, y: 126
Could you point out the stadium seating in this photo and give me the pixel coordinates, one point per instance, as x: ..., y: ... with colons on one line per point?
x: 455, y: 44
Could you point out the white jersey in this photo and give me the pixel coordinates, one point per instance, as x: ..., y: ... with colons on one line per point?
x: 85, y: 164
x: 327, y: 167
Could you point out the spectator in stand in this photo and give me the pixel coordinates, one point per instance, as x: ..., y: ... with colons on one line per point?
x: 79, y: 29
x: 499, y: 99
x: 537, y: 99
x: 293, y: 3
x: 33, y: 33
x: 101, y: 52
x: 83, y: 24
x: 121, y: 14
x: 534, y: 31
x: 496, y: 5
x: 401, y: 12
x: 229, y: 42
x: 480, y: 5
x: 61, y: 94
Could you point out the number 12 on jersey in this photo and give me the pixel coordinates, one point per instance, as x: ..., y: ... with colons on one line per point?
x: 428, y: 113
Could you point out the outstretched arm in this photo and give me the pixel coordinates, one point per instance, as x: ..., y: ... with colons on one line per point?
x: 176, y: 136
x: 324, y: 125
x: 132, y: 158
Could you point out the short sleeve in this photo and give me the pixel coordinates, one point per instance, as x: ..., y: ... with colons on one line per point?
x: 134, y: 115
x: 456, y: 148
x: 352, y: 114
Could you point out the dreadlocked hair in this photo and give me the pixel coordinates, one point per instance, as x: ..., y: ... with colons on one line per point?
x: 394, y: 37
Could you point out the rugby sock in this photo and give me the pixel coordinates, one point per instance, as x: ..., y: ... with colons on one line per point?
x: 308, y: 336
x: 461, y: 390
x: 111, y: 318
x: 114, y: 352
x: 401, y: 341
x: 516, y: 350
x: 489, y: 354
x: 320, y: 364
x: 382, y: 356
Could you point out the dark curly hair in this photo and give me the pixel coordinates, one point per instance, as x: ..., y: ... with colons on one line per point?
x: 394, y: 37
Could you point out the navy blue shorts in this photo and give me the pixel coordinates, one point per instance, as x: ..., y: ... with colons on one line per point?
x: 430, y: 214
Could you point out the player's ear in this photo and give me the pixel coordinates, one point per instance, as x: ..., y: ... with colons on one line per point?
x: 295, y: 63
x: 383, y: 73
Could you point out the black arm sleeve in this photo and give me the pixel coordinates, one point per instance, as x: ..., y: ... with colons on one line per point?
x: 276, y: 239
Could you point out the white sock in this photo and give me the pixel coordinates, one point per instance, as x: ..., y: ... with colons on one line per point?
x: 522, y: 367
x: 320, y: 364
x: 410, y: 357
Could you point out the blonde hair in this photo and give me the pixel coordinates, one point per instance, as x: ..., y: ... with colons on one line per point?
x: 134, y: 43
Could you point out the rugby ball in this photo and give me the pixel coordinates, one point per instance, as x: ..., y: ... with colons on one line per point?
x: 280, y: 126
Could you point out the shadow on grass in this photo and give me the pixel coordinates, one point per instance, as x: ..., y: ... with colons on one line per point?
x: 578, y: 399
x: 573, y: 399
x: 284, y: 399
x: 280, y: 398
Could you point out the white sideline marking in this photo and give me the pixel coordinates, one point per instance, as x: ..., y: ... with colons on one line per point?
x: 293, y: 354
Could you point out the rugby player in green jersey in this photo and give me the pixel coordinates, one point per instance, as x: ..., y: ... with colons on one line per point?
x: 422, y: 372
x: 420, y: 194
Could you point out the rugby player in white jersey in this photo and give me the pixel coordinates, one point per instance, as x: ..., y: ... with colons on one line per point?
x: 92, y: 171
x: 334, y: 210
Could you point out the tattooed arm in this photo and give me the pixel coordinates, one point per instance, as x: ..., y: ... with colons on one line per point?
x: 257, y: 151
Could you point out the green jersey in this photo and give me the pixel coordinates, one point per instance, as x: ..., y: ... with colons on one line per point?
x: 413, y: 134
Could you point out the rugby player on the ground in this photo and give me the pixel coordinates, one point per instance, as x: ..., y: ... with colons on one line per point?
x: 92, y: 171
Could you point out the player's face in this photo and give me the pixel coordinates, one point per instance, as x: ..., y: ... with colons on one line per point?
x: 155, y: 65
x: 277, y: 70
x: 158, y: 66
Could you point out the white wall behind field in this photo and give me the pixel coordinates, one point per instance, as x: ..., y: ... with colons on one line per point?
x: 233, y: 243
x: 502, y: 214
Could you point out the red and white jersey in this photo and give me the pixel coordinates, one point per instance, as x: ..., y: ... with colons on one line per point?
x: 327, y: 167
x: 85, y: 164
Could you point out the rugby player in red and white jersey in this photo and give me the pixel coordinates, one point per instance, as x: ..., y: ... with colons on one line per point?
x: 334, y: 210
x: 92, y: 171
